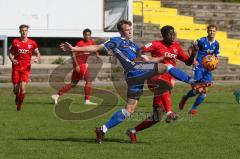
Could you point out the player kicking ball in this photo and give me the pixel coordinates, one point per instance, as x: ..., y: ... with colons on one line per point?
x: 136, y: 72
x: 202, y: 70
x: 80, y: 70
x: 20, y: 55
x: 170, y: 51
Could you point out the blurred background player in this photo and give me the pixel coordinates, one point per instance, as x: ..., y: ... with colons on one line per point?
x: 80, y: 70
x: 20, y: 55
x: 136, y: 72
x: 170, y: 51
x: 237, y: 96
x: 207, y: 46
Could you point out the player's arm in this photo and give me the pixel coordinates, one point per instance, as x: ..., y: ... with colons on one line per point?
x: 11, y: 57
x: 38, y: 55
x: 192, y: 51
x: 141, y: 56
x: 77, y: 50
x: 74, y: 58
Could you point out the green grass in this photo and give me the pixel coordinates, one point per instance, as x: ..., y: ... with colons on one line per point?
x: 36, y: 131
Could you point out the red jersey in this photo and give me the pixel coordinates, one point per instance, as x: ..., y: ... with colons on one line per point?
x: 159, y: 49
x: 82, y: 58
x: 22, y: 51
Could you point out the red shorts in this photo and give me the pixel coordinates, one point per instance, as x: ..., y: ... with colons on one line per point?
x: 161, y: 85
x: 82, y: 72
x: 21, y: 74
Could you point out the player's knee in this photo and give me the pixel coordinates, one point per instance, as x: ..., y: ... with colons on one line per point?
x: 162, y: 68
x: 157, y: 114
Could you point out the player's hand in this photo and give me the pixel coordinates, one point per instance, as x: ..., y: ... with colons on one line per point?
x: 36, y: 60
x: 15, y: 62
x: 195, y: 63
x: 66, y: 46
x: 194, y: 47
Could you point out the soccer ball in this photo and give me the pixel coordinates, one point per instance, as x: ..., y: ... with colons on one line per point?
x: 210, y: 62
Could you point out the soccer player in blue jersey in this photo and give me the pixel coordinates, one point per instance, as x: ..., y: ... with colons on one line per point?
x: 136, y: 71
x: 207, y: 46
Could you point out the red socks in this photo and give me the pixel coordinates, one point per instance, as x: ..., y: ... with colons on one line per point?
x: 64, y: 89
x: 87, y: 90
x: 67, y: 87
x: 20, y: 101
x: 145, y: 124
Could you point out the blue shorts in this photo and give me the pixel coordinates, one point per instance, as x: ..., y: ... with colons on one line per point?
x: 202, y: 75
x: 136, y: 77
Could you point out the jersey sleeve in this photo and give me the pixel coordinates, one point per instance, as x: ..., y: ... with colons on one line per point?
x: 92, y: 42
x: 79, y: 43
x: 35, y: 45
x: 12, y: 48
x: 110, y: 44
x: 182, y: 56
x: 216, y: 51
x: 149, y: 47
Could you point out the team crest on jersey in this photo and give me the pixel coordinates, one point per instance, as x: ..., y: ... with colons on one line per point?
x: 29, y: 46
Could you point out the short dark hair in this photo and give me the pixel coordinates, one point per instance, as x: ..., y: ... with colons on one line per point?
x: 165, y: 29
x: 23, y: 26
x: 87, y: 30
x: 211, y: 26
x: 122, y: 22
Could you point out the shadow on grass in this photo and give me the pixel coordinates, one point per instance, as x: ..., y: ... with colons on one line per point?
x: 235, y: 124
x: 84, y: 140
x: 39, y: 102
x: 219, y: 102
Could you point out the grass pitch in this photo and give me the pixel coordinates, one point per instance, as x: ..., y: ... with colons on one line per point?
x: 37, y: 133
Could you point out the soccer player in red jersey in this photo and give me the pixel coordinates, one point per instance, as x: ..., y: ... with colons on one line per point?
x: 20, y: 55
x: 170, y: 51
x: 80, y: 70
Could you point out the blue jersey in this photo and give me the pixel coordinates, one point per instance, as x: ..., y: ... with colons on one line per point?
x: 124, y: 50
x: 135, y: 72
x: 206, y: 48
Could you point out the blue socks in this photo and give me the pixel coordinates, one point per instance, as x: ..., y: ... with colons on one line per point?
x: 199, y: 100
x: 117, y: 118
x: 179, y: 75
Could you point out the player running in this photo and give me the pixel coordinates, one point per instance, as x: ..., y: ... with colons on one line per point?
x: 170, y: 51
x: 80, y: 70
x: 136, y: 72
x: 20, y: 55
x: 207, y: 46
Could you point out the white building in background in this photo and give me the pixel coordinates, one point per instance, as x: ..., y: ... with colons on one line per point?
x: 63, y: 18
